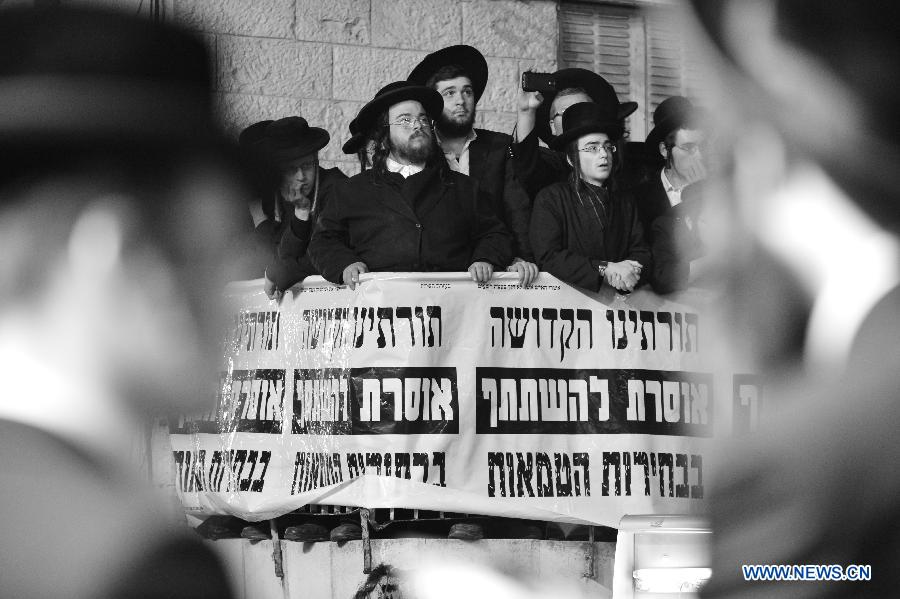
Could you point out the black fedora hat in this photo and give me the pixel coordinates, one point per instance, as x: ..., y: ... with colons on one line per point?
x: 253, y: 134
x: 468, y: 58
x: 291, y: 138
x: 393, y: 93
x: 357, y: 139
x: 671, y: 114
x: 583, y: 118
x: 596, y: 87
x: 88, y: 76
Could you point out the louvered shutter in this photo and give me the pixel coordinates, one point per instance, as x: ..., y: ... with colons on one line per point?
x: 642, y: 53
x: 601, y: 39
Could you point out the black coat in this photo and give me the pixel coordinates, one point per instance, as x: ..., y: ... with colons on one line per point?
x: 431, y: 221
x: 568, y: 239
x: 537, y: 167
x: 652, y: 202
x: 490, y: 165
x: 675, y: 244
x: 291, y: 263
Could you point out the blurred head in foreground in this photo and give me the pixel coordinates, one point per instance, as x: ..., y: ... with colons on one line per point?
x: 116, y: 205
x: 815, y: 172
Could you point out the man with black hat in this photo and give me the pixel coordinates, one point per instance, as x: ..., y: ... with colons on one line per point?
x: 540, y: 116
x: 585, y: 230
x: 299, y: 193
x: 410, y: 211
x: 679, y: 136
x: 459, y: 74
x: 672, y: 226
x: 117, y: 209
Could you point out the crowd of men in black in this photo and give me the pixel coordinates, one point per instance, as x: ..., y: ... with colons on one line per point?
x: 436, y: 193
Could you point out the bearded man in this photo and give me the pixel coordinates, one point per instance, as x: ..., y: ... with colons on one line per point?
x: 409, y: 212
x: 460, y: 74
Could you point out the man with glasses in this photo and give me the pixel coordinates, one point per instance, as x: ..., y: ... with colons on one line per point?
x: 678, y: 136
x: 300, y: 190
x: 540, y: 116
x: 460, y: 74
x: 409, y: 211
x: 669, y: 208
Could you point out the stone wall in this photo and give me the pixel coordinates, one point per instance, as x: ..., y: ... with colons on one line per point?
x: 323, y: 59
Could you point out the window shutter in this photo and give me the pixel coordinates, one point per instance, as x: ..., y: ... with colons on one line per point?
x: 600, y: 38
x: 642, y: 53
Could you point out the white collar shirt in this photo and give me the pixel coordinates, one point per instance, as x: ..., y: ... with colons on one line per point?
x: 674, y: 194
x: 460, y: 163
x: 404, y: 169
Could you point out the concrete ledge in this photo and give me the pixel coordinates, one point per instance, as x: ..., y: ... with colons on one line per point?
x: 327, y: 570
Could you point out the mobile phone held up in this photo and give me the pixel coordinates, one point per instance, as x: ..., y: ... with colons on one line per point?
x: 538, y: 82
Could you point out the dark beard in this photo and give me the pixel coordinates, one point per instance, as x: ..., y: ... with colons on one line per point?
x: 415, y: 154
x: 453, y: 128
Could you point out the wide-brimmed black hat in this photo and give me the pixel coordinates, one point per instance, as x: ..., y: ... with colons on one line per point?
x: 392, y: 93
x: 356, y: 141
x: 466, y: 57
x: 86, y: 76
x: 583, y: 118
x: 671, y: 114
x: 291, y: 138
x: 596, y: 87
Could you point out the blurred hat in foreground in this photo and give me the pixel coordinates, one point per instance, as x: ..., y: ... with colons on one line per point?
x: 61, y: 80
x: 823, y: 74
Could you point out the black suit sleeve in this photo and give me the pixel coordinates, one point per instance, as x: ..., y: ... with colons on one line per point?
x: 329, y: 247
x: 491, y: 240
x: 547, y: 225
x: 517, y: 211
x: 535, y: 167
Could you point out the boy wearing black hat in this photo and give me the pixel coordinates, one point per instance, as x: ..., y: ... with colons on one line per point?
x: 410, y: 211
x: 459, y: 74
x: 540, y: 116
x: 299, y: 192
x: 584, y: 230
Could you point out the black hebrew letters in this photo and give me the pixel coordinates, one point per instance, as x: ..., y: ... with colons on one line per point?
x: 663, y: 331
x: 344, y: 328
x: 236, y: 470
x: 404, y: 401
x: 256, y: 331
x: 538, y: 474
x: 313, y: 470
x: 252, y: 401
x: 595, y: 401
x: 568, y: 329
x: 640, y: 473
x: 321, y: 402
x: 562, y: 329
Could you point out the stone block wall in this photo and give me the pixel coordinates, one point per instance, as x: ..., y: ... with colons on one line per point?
x: 323, y: 59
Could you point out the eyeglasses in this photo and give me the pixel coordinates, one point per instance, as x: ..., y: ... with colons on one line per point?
x: 408, y: 122
x: 691, y: 147
x: 597, y: 148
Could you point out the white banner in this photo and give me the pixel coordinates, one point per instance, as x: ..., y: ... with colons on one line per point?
x: 430, y: 391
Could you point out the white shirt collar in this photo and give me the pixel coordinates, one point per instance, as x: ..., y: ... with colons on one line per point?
x: 460, y: 164
x: 674, y: 194
x: 404, y: 169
